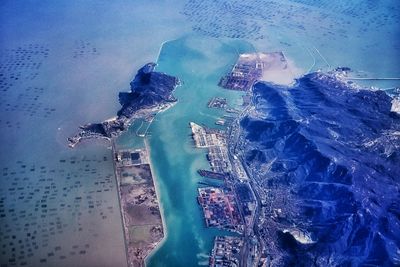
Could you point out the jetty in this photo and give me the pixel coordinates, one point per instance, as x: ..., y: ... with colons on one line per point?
x: 215, y: 141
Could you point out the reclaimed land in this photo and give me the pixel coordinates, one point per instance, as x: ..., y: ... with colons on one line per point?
x: 271, y: 67
x: 141, y: 216
x: 151, y: 92
x: 236, y: 205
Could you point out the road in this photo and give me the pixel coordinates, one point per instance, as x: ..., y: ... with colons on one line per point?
x: 250, y: 231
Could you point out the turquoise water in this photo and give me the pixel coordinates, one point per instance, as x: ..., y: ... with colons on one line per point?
x: 130, y: 138
x: 199, y: 63
x: 85, y: 52
x: 62, y: 65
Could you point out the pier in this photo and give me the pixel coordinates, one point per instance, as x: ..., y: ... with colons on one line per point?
x: 215, y: 142
x: 220, y: 209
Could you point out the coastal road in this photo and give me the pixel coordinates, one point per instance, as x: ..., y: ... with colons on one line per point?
x: 234, y: 135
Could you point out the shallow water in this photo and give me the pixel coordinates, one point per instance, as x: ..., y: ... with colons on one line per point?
x: 176, y: 161
x: 63, y: 64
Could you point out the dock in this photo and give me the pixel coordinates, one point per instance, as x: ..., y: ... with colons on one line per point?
x: 213, y: 175
x: 215, y: 142
x: 250, y: 68
x: 220, y: 209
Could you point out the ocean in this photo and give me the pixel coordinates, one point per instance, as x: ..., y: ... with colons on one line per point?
x: 63, y: 64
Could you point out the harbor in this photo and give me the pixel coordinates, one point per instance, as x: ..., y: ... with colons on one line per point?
x: 177, y: 161
x: 323, y: 172
x: 215, y: 141
x: 220, y: 209
x: 226, y: 251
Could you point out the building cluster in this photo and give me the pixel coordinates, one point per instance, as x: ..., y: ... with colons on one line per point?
x: 220, y: 209
x: 215, y: 141
x: 226, y: 251
x: 245, y: 72
x: 247, y: 203
x: 218, y: 102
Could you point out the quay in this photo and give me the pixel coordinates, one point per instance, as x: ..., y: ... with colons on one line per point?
x: 217, y: 102
x: 238, y: 205
x: 220, y: 209
x: 226, y: 251
x: 250, y: 68
x: 215, y: 142
x: 213, y: 175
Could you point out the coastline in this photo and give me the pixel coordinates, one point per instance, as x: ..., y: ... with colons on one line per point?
x: 138, y: 249
x: 161, y: 207
x: 119, y: 201
x: 58, y: 204
x: 142, y: 113
x: 156, y: 184
x: 155, y: 178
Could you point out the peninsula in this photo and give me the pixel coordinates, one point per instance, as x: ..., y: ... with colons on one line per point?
x: 150, y: 93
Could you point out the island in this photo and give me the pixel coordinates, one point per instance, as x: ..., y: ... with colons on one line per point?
x: 150, y: 93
